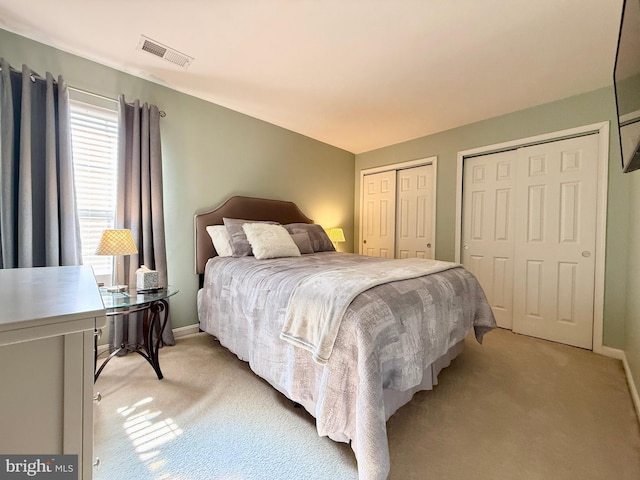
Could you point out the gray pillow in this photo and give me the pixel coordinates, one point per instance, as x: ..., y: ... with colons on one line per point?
x: 240, y: 246
x: 303, y: 242
x: 320, y: 241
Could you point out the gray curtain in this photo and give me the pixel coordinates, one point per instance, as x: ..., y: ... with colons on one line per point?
x: 140, y: 206
x: 38, y: 217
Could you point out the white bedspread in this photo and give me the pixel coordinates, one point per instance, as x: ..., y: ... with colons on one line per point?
x: 318, y: 302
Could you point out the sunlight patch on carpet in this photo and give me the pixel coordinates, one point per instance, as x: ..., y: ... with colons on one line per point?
x: 148, y: 431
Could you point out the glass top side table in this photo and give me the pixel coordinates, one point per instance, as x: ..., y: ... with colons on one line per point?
x: 154, y: 310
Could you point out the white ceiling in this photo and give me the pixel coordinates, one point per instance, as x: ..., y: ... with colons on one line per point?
x: 357, y: 74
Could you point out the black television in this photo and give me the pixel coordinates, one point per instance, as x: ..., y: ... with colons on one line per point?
x: 626, y: 83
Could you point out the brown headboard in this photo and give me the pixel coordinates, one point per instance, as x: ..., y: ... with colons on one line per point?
x: 247, y: 208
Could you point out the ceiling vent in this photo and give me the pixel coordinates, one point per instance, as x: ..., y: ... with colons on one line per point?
x: 167, y: 53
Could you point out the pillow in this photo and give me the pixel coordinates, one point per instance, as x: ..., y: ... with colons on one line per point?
x: 240, y: 246
x: 303, y: 242
x: 270, y: 241
x: 319, y: 239
x: 220, y: 239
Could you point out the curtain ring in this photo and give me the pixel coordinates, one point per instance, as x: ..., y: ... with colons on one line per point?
x: 162, y: 113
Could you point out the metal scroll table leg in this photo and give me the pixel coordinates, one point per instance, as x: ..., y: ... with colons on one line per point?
x: 104, y: 364
x: 153, y: 323
x: 111, y: 355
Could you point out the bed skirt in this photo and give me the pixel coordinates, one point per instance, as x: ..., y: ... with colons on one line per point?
x: 394, y: 399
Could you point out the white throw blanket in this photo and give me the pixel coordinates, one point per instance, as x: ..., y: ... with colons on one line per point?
x: 318, y: 303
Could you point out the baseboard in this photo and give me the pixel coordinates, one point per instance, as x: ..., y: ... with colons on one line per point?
x: 632, y: 386
x: 611, y: 352
x: 184, y: 331
x: 633, y: 390
x: 177, y: 333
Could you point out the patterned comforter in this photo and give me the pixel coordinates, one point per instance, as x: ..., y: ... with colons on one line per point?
x: 388, y: 336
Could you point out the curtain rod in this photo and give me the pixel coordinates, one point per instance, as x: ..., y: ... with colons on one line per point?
x: 162, y: 112
x: 86, y: 92
x: 33, y: 76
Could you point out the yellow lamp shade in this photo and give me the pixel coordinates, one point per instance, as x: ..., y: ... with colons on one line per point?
x: 336, y: 235
x: 117, y: 242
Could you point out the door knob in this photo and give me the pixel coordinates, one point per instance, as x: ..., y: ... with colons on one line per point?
x: 466, y: 247
x: 428, y: 245
x: 586, y: 254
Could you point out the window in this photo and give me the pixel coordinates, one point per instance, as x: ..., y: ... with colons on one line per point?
x: 94, y: 133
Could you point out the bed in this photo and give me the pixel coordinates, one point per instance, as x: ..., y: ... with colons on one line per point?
x: 394, y: 324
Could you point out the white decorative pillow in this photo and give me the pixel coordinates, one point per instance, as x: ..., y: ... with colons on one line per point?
x: 220, y: 238
x: 270, y: 241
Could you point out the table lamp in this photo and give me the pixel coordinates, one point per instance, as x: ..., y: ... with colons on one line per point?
x: 336, y: 235
x: 116, y: 242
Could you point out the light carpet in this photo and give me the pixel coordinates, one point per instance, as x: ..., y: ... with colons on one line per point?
x: 515, y: 407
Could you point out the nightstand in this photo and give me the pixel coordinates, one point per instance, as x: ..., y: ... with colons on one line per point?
x: 155, y: 312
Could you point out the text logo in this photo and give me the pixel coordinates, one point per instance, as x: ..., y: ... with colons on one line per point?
x: 49, y: 467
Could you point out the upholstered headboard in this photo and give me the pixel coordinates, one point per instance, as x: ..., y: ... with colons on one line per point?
x: 246, y: 208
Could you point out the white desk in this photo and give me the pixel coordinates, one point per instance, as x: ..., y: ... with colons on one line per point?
x: 48, y: 317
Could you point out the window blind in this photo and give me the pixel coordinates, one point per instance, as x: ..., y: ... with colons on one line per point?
x: 94, y: 134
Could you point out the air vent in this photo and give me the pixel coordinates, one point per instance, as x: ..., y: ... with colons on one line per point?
x: 167, y: 53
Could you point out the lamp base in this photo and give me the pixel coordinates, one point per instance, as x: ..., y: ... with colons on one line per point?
x: 117, y: 289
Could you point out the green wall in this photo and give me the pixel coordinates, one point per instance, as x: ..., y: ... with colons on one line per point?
x: 594, y: 107
x: 210, y: 153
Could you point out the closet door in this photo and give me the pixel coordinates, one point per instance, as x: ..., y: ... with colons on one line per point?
x: 555, y: 240
x: 487, y: 228
x: 415, y: 216
x: 529, y: 235
x: 378, y: 222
